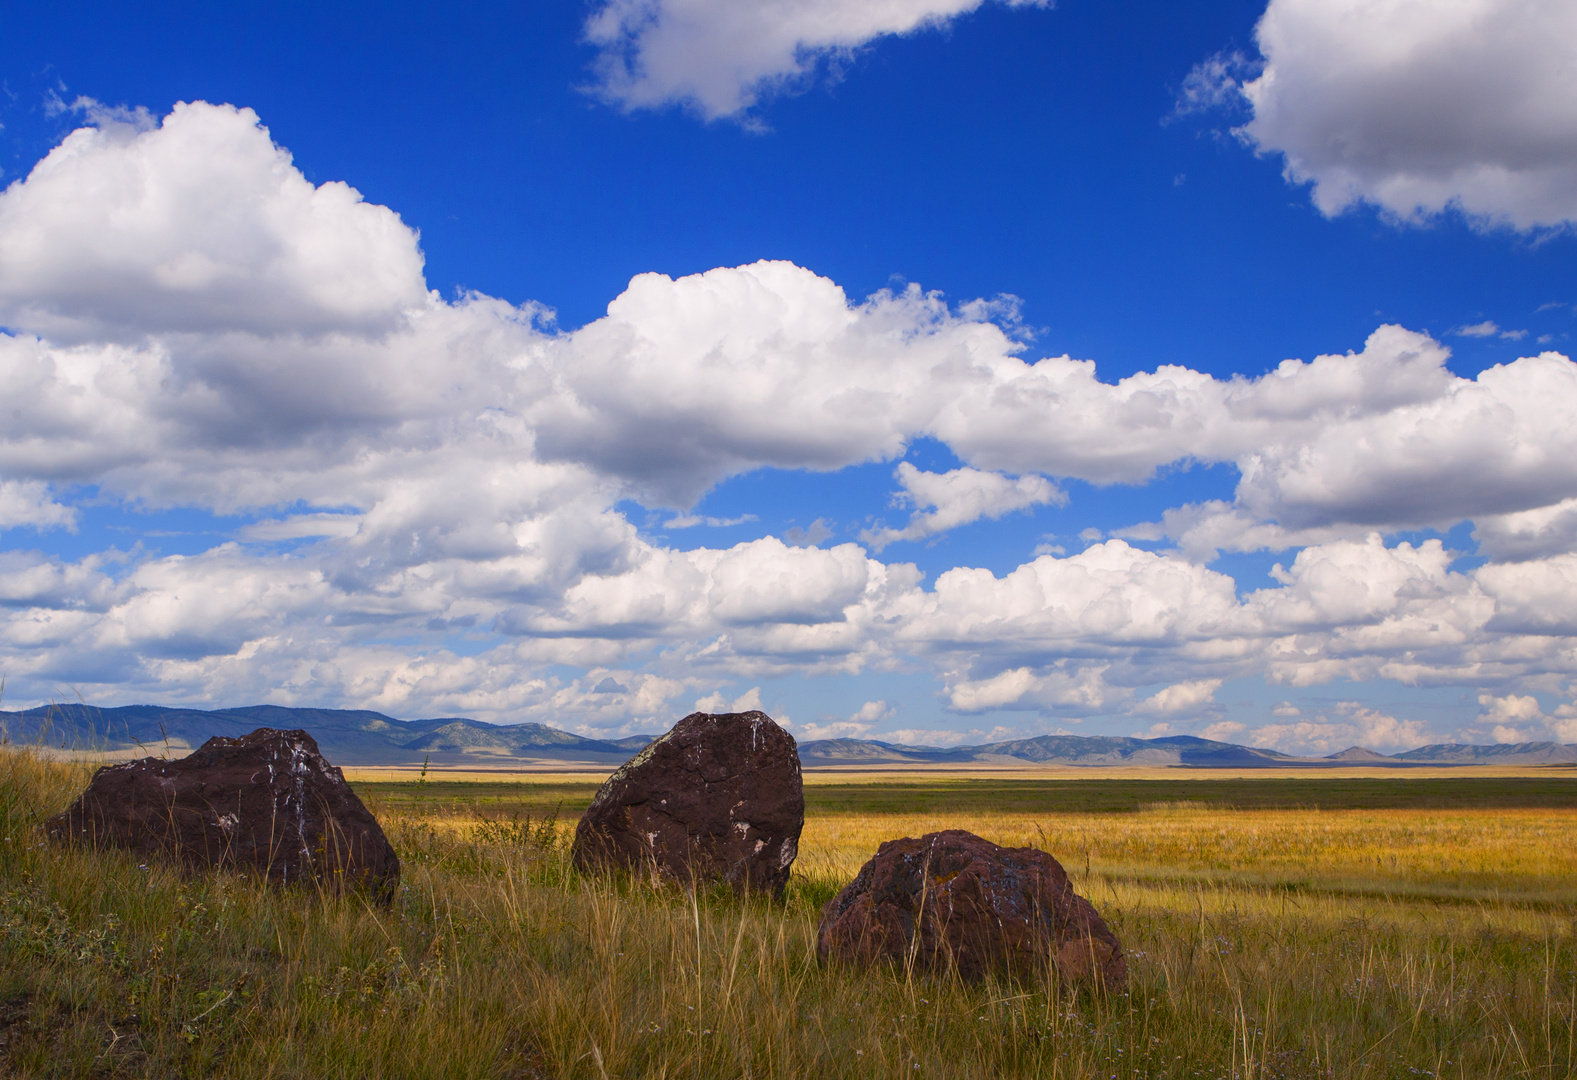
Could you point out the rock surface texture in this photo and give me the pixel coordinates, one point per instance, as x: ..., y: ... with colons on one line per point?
x: 718, y: 798
x: 951, y: 898
x: 267, y: 801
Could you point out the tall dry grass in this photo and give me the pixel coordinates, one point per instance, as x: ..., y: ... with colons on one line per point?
x: 498, y: 960
x: 1522, y: 854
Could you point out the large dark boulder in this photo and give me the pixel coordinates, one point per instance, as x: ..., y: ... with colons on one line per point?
x: 717, y: 799
x: 952, y: 899
x: 267, y: 801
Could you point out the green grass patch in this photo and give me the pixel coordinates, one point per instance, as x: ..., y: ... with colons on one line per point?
x: 1035, y: 797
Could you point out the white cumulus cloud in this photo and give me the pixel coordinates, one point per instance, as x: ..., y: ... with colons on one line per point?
x: 200, y: 224
x: 958, y: 497
x: 1354, y: 724
x: 1419, y: 106
x: 28, y: 502
x: 439, y: 482
x: 1181, y: 697
x: 866, y: 717
x: 721, y: 57
x: 716, y: 702
x: 1527, y: 534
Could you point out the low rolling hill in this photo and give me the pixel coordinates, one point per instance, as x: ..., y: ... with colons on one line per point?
x: 346, y: 736
x: 362, y: 737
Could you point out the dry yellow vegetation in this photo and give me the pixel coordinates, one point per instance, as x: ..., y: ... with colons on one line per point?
x: 1500, y: 855
x: 1341, y: 939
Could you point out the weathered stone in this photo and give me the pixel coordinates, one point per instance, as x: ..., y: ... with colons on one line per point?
x: 953, y: 899
x: 718, y: 798
x: 267, y: 801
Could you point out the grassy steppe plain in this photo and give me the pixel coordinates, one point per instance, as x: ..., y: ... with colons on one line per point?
x: 1276, y: 927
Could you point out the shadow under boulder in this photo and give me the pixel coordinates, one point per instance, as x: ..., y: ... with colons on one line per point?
x: 953, y: 900
x: 267, y: 801
x: 719, y: 798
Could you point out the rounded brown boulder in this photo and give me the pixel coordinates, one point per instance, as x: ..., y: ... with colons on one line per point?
x: 267, y: 801
x: 953, y: 900
x: 719, y: 798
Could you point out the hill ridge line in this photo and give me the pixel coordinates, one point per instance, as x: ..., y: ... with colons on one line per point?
x: 367, y: 737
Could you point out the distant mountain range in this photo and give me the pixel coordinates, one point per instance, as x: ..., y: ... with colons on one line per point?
x: 1184, y: 750
x: 346, y: 736
x: 360, y: 737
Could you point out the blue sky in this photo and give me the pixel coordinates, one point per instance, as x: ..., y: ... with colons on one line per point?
x: 732, y: 354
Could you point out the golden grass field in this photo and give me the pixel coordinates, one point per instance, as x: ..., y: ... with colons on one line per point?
x: 1286, y: 926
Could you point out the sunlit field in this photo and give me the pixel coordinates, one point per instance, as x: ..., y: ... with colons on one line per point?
x: 1276, y: 927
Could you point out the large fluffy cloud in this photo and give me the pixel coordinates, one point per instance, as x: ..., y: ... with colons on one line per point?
x: 438, y: 482
x: 1420, y: 105
x: 687, y: 381
x: 682, y: 384
x: 721, y: 57
x: 200, y: 224
x: 1089, y: 629
x: 1503, y: 442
